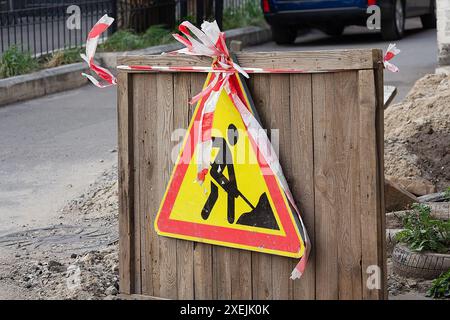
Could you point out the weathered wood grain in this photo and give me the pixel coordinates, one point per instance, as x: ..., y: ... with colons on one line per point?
x: 310, y: 61
x: 280, y: 128
x: 125, y: 195
x: 138, y: 130
x: 326, y: 185
x: 185, y: 249
x: 301, y: 177
x: 164, y: 127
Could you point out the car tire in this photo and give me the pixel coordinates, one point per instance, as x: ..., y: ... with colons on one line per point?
x: 334, y: 30
x: 429, y: 20
x: 393, y: 21
x: 283, y: 35
x: 426, y: 265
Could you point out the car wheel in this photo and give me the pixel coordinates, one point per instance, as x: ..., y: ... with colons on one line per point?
x: 393, y: 21
x: 284, y: 35
x: 429, y: 20
x: 334, y: 30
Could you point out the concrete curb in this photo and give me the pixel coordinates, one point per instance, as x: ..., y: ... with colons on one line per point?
x: 37, y: 84
x: 40, y: 83
x: 248, y: 36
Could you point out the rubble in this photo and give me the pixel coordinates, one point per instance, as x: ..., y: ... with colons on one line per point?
x: 417, y: 137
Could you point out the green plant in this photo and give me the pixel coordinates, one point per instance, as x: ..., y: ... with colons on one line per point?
x: 15, y: 62
x: 63, y: 57
x: 124, y: 40
x: 422, y: 232
x: 249, y: 14
x: 447, y: 193
x: 440, y: 288
x: 156, y: 35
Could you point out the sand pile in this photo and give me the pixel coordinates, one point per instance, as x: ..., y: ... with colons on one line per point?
x: 417, y: 137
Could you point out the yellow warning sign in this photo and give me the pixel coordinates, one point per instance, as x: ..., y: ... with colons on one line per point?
x: 240, y: 204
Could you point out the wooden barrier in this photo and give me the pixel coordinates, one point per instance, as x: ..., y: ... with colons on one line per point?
x: 331, y: 151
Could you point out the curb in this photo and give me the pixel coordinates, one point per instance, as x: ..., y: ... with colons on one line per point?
x: 40, y: 83
x: 67, y: 77
x: 248, y: 36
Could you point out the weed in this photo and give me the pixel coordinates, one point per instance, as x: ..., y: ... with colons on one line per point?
x: 440, y: 287
x: 422, y: 232
x: 63, y: 57
x: 15, y: 62
x: 249, y: 14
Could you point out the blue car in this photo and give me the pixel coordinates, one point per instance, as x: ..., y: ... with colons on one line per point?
x: 286, y: 17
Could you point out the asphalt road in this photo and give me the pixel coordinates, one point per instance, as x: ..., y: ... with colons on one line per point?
x: 52, y: 148
x: 418, y: 50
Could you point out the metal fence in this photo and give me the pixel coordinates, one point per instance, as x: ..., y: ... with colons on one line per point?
x: 41, y: 27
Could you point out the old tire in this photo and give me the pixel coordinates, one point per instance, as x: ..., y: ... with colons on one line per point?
x: 421, y: 265
x: 393, y: 21
x: 283, y: 35
x: 429, y: 20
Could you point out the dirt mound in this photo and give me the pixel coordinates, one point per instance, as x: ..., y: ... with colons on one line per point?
x: 417, y: 137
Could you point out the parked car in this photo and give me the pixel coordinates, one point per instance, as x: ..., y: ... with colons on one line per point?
x: 286, y: 17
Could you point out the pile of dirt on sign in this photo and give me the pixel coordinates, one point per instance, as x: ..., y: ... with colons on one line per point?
x: 417, y: 137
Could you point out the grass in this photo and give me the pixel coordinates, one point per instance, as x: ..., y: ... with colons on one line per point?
x: 125, y: 40
x: 15, y: 62
x: 249, y: 14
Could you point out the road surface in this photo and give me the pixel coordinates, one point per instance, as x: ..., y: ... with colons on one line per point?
x: 418, y: 56
x: 53, y: 147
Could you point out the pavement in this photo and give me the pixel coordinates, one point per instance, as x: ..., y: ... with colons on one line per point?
x: 53, y: 147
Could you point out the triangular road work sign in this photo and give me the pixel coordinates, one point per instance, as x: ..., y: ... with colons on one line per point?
x: 240, y: 204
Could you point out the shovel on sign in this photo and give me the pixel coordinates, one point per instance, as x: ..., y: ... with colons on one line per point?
x: 260, y: 216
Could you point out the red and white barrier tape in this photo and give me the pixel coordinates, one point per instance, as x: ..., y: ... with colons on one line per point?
x: 210, y: 41
x: 91, y: 47
x: 391, y: 52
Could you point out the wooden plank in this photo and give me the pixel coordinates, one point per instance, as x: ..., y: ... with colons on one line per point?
x: 311, y: 61
x: 280, y: 122
x: 164, y: 127
x: 203, y: 275
x: 125, y: 145
x: 185, y: 249
x: 262, y: 286
x: 138, y: 130
x: 241, y: 274
x: 222, y: 273
x: 346, y: 131
x: 325, y: 143
x: 368, y: 175
x: 389, y: 94
x: 381, y: 217
x: 148, y: 180
x: 302, y: 175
